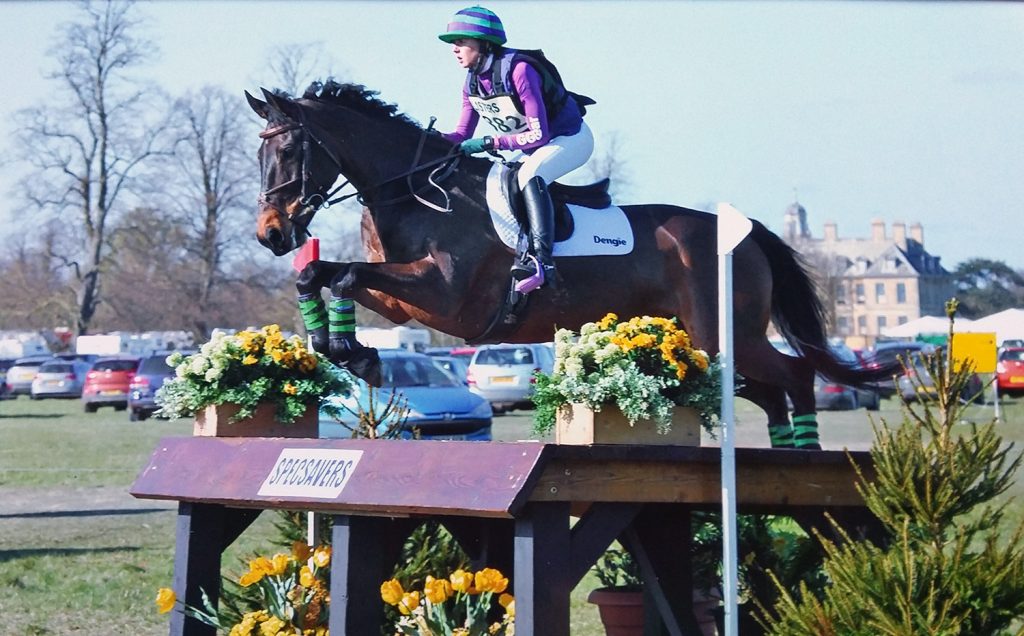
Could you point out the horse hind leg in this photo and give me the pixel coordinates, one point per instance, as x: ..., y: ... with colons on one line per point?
x: 772, y: 400
x: 770, y: 376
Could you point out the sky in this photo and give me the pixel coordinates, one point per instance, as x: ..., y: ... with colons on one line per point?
x: 900, y: 111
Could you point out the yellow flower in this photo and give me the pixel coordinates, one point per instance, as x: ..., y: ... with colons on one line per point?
x: 461, y: 580
x: 391, y: 592
x: 306, y: 578
x: 250, y: 359
x: 437, y: 591
x: 165, y: 599
x: 272, y: 626
x: 409, y: 602
x: 279, y: 565
x: 509, y: 603
x: 491, y: 580
x: 249, y: 578
x: 606, y: 322
x: 322, y: 556
x: 289, y: 388
x: 460, y: 631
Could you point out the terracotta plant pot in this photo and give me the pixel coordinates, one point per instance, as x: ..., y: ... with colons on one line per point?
x: 621, y: 610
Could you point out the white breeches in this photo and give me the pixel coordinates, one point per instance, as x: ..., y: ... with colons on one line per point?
x: 559, y: 157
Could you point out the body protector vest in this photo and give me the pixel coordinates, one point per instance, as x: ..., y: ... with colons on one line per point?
x: 502, y: 108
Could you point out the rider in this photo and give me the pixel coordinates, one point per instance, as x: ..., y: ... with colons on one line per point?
x: 522, y: 97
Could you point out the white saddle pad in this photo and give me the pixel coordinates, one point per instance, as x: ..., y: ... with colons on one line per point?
x: 603, y: 232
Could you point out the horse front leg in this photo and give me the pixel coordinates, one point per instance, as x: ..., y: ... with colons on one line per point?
x: 311, y: 280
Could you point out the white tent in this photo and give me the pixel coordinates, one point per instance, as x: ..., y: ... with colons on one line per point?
x: 1007, y: 325
x: 928, y: 325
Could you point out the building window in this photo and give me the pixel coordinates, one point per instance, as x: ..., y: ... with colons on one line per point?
x: 843, y: 326
x: 901, y: 293
x: 881, y: 323
x: 902, y: 320
x: 840, y: 293
x: 860, y: 292
x: 862, y: 325
x: 879, y: 293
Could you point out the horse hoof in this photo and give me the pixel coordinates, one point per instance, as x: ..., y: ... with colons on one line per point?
x: 364, y: 363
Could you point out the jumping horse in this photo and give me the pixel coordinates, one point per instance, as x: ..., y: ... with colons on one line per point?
x: 433, y: 253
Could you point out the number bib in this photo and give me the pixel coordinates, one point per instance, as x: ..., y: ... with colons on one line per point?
x: 501, y: 113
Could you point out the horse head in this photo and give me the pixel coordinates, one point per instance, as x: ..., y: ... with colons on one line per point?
x: 293, y: 183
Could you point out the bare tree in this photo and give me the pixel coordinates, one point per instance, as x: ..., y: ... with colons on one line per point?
x: 607, y: 162
x: 210, y: 189
x: 86, y: 144
x: 294, y: 66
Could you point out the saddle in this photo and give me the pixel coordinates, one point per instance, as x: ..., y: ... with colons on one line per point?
x: 593, y: 195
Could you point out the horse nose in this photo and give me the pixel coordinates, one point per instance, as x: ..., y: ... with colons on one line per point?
x: 275, y: 238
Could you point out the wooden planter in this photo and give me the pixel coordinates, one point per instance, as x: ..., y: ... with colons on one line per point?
x: 214, y: 421
x: 578, y: 424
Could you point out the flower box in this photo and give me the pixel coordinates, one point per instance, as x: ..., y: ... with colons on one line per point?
x: 578, y: 424
x: 215, y: 421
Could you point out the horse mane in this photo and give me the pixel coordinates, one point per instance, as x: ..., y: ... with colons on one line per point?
x: 358, y: 98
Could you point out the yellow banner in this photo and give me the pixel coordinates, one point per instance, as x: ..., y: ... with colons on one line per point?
x: 979, y: 348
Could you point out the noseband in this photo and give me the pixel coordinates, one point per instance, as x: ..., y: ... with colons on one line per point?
x: 312, y: 202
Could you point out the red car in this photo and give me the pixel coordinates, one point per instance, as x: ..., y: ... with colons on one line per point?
x: 107, y: 382
x: 1010, y: 371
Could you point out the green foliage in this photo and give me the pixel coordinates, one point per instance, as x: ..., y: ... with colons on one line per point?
x: 645, y: 366
x: 617, y: 568
x: 946, y: 566
x: 985, y: 286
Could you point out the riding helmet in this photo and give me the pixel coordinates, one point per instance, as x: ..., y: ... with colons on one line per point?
x: 475, y: 22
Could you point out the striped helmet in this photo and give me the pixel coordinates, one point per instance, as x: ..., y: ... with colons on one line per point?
x: 475, y: 22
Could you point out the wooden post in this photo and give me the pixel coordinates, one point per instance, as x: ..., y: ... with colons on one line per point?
x: 542, y: 570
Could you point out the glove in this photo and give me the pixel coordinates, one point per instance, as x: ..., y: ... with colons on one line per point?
x: 477, y: 144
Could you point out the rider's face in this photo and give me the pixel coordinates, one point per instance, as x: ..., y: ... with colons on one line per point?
x: 467, y: 51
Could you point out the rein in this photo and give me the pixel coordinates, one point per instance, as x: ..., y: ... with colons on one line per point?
x: 444, y: 167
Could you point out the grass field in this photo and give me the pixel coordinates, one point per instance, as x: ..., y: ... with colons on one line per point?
x: 78, y: 555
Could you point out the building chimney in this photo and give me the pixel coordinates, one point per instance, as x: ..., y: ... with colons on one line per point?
x: 831, y: 232
x: 917, y: 233
x: 877, y: 231
x: 899, y: 234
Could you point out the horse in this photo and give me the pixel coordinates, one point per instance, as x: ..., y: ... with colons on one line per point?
x: 442, y: 263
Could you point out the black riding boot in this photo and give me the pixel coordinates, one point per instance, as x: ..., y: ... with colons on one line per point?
x: 540, y: 213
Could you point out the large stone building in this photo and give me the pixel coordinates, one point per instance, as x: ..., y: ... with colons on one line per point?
x: 871, y: 283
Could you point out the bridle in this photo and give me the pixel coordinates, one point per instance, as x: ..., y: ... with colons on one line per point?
x: 311, y: 202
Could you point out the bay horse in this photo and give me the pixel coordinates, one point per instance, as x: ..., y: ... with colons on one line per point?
x: 446, y: 267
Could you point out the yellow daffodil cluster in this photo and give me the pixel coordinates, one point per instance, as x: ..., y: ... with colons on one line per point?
x: 457, y: 605
x: 295, y: 587
x: 249, y: 368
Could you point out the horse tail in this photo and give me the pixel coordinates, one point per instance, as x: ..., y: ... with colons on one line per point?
x: 799, y: 315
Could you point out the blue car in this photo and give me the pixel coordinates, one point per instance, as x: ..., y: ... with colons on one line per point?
x: 440, y: 405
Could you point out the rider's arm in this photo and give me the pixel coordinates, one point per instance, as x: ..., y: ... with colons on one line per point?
x: 528, y: 84
x: 467, y: 122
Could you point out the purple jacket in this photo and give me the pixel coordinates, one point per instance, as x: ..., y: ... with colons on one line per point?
x: 527, y: 83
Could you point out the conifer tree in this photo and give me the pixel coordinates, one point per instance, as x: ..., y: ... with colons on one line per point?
x: 950, y: 565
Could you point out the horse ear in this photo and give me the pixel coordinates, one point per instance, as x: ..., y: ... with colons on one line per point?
x: 258, y: 106
x: 279, y: 104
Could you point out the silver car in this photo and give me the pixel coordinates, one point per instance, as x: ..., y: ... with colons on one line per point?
x: 504, y: 374
x: 60, y: 379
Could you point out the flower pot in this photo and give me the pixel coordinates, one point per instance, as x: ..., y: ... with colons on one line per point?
x: 579, y: 424
x: 214, y: 421
x: 621, y: 610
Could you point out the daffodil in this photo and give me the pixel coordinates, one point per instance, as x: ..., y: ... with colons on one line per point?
x: 165, y: 600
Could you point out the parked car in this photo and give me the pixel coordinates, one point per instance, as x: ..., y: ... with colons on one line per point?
x: 21, y: 374
x: 440, y: 407
x: 107, y: 382
x: 5, y: 364
x: 916, y: 384
x: 504, y: 374
x: 457, y: 366
x: 1010, y: 371
x: 885, y: 353
x: 153, y: 370
x: 58, y: 378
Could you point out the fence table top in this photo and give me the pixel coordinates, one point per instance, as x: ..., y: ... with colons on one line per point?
x: 482, y: 479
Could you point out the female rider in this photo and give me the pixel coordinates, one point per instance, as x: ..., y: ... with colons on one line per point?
x: 520, y: 94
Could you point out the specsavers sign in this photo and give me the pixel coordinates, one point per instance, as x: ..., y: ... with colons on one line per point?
x: 310, y: 472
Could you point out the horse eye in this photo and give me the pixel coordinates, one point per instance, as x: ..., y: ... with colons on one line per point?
x: 288, y: 152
